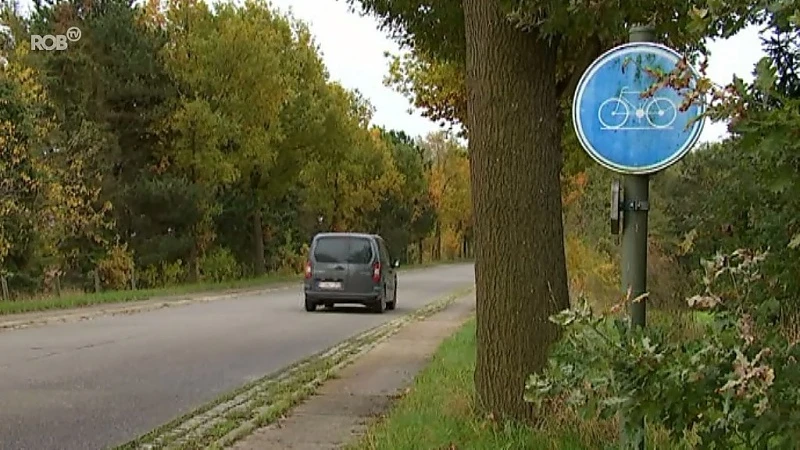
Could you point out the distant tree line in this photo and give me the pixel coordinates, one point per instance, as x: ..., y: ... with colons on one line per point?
x: 177, y: 142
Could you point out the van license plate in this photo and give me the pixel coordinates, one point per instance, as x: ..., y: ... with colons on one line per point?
x: 330, y: 285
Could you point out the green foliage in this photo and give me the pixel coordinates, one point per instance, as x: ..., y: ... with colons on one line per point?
x: 434, y: 86
x: 172, y: 273
x: 173, y: 207
x: 290, y: 258
x: 725, y: 377
x: 412, y: 203
x: 220, y: 265
x: 162, y: 275
x: 116, y: 268
x: 149, y: 277
x: 203, y: 141
x: 733, y: 386
x: 433, y: 27
x: 751, y: 181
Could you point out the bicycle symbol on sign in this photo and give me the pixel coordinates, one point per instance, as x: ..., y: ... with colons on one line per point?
x: 615, y: 112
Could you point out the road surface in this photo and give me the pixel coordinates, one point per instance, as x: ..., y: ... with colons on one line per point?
x: 100, y: 383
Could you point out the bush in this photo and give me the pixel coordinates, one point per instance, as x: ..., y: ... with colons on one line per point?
x: 667, y: 282
x: 220, y: 265
x: 149, y: 277
x: 591, y: 272
x: 287, y: 260
x: 172, y: 273
x: 116, y: 267
x: 163, y: 275
x: 732, y: 386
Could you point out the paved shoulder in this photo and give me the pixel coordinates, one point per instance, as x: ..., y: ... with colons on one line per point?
x: 343, y: 406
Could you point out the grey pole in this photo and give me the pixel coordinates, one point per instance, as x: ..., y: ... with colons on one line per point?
x: 636, y: 198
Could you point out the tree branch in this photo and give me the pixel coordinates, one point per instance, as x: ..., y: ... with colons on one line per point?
x: 591, y: 51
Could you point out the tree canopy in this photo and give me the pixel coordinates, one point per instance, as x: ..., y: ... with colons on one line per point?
x: 176, y: 142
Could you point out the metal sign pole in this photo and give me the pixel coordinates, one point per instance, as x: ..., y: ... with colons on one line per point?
x: 636, y: 204
x: 636, y: 195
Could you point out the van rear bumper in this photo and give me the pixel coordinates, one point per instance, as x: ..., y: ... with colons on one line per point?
x: 342, y: 297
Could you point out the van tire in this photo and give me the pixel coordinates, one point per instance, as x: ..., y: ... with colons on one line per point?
x: 380, y: 306
x: 391, y: 305
x: 310, y: 305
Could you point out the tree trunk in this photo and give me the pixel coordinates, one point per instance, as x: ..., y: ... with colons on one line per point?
x: 57, y: 280
x: 259, y: 262
x: 437, y: 252
x: 194, y: 263
x: 515, y: 160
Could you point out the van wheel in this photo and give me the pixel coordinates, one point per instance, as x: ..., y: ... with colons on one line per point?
x: 310, y: 305
x: 380, y: 305
x: 392, y: 304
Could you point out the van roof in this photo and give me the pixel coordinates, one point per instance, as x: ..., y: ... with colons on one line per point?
x: 344, y: 234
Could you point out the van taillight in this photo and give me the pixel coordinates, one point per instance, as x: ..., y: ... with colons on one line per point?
x: 308, y: 269
x: 376, y: 272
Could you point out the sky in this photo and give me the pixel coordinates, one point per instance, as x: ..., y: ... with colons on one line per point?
x: 353, y: 50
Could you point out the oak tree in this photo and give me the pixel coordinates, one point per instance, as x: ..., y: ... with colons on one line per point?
x: 521, y: 59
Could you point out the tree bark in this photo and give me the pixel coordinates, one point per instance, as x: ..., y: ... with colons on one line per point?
x: 437, y: 253
x: 194, y: 262
x: 259, y: 261
x: 515, y: 160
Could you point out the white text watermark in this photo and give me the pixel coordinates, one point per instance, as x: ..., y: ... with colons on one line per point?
x: 49, y: 42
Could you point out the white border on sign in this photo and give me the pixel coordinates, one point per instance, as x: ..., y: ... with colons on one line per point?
x: 622, y: 50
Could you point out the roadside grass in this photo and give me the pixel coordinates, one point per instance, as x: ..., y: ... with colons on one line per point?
x: 439, y: 412
x: 79, y: 299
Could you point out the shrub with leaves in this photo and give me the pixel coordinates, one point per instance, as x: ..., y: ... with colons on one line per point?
x: 116, y: 267
x: 149, y: 277
x: 733, y: 386
x: 220, y: 265
x: 172, y: 273
x: 745, y: 191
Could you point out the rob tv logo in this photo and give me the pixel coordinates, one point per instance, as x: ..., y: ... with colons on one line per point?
x: 51, y: 42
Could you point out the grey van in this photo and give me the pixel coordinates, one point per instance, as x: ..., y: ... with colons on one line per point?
x: 353, y: 268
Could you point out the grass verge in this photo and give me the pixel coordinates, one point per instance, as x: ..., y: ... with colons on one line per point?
x: 439, y: 412
x: 73, y: 301
x: 233, y: 416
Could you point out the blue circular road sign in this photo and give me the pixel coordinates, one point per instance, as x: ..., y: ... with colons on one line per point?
x: 619, y: 127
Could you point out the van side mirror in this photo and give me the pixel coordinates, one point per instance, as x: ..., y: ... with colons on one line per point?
x: 396, y: 263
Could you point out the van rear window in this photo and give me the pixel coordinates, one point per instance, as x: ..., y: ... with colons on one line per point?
x: 333, y: 250
x: 360, y: 251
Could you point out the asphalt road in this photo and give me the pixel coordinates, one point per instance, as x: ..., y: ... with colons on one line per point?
x: 100, y: 383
